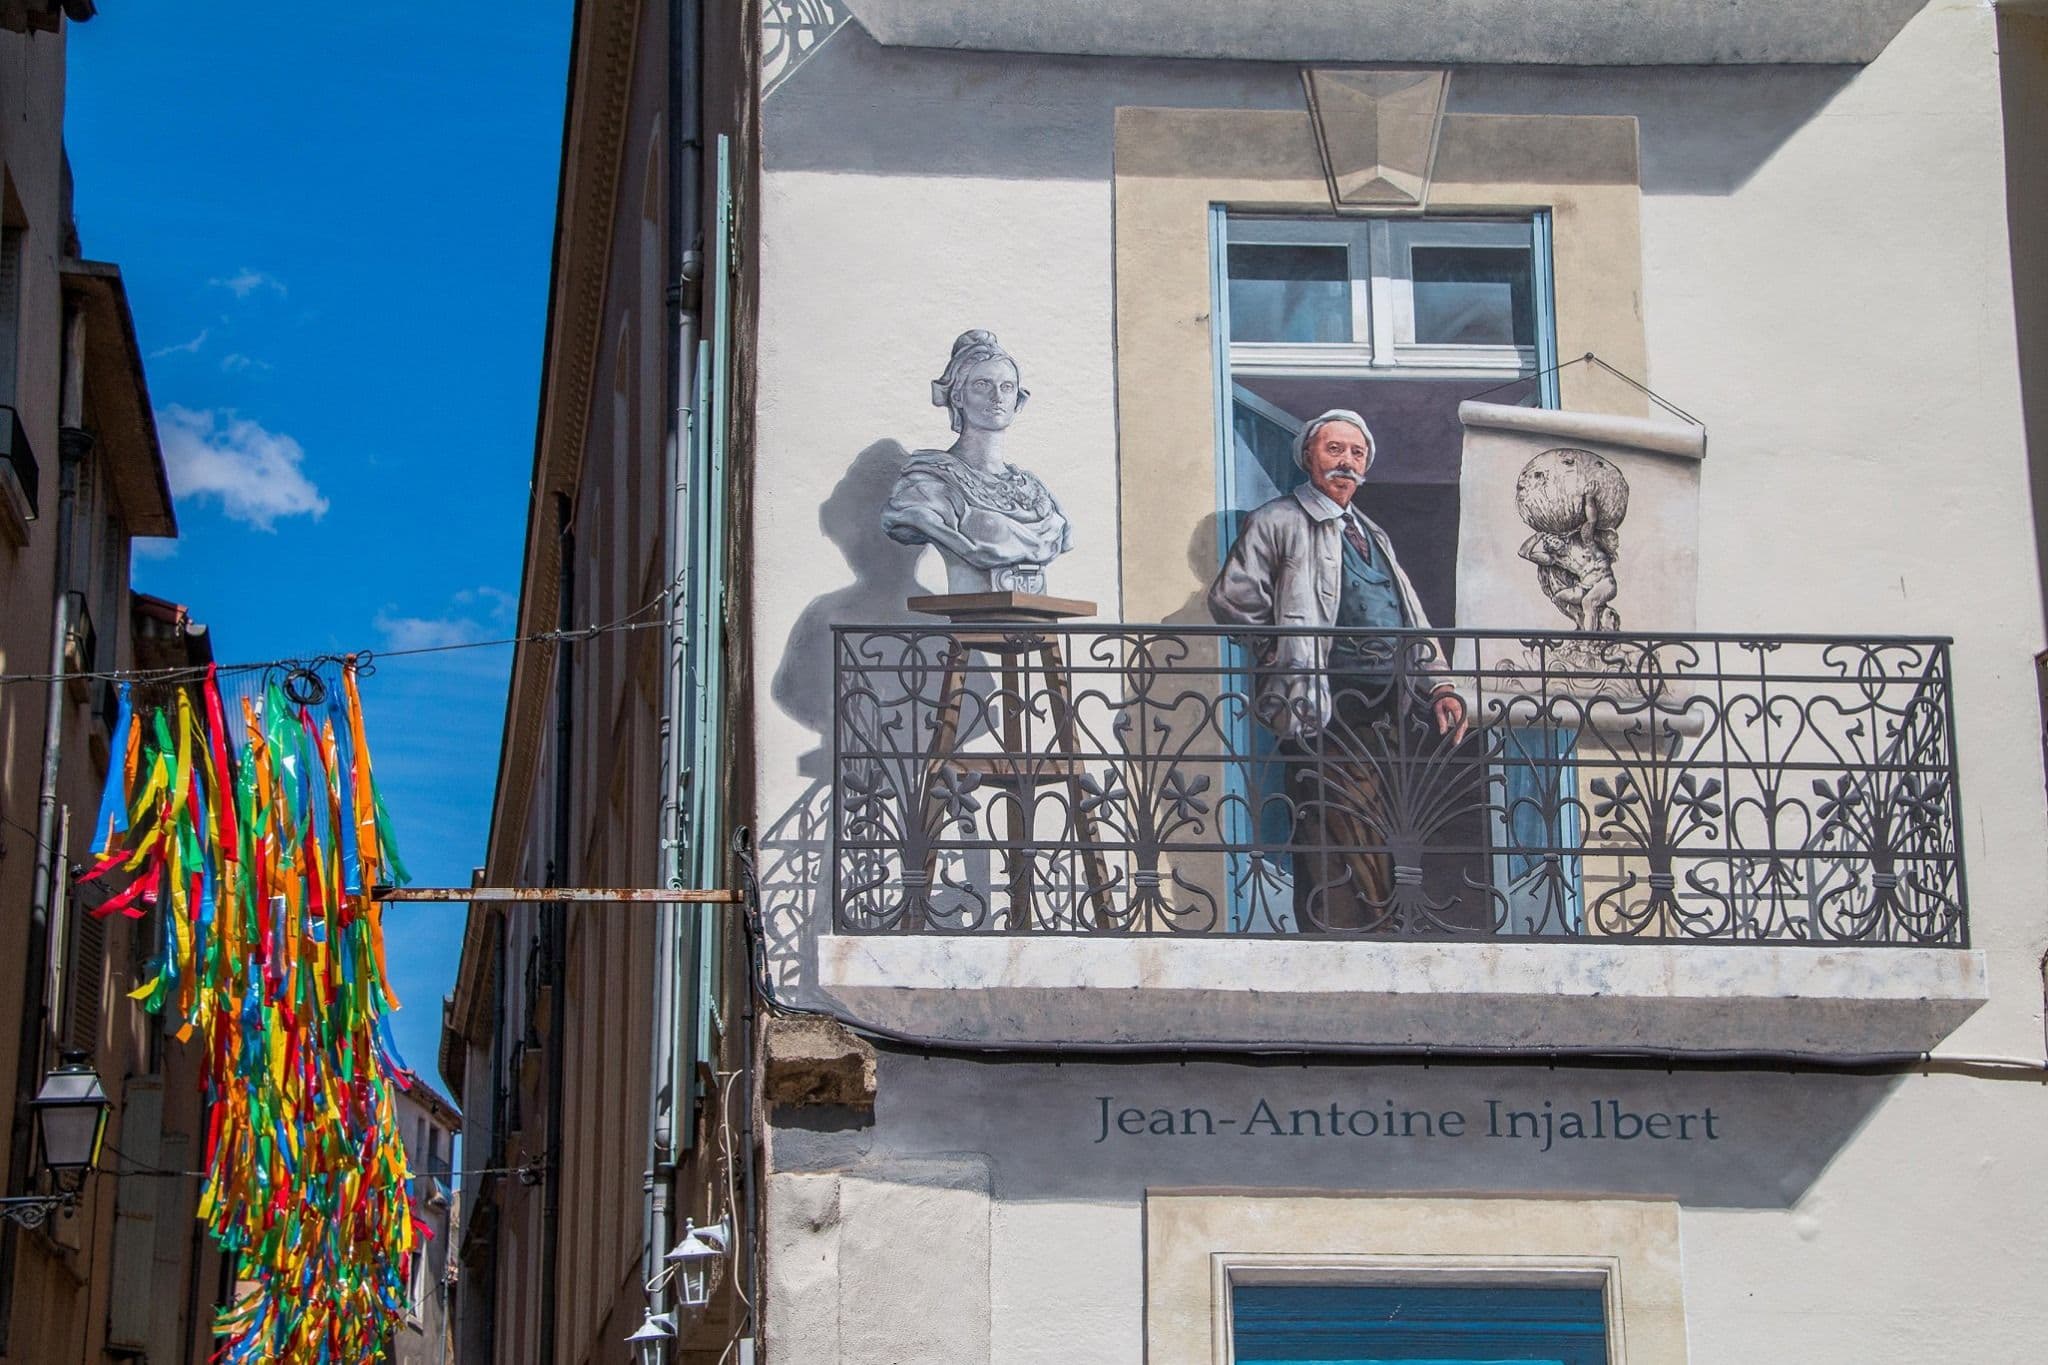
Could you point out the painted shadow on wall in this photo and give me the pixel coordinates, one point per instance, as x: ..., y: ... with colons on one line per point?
x: 795, y: 845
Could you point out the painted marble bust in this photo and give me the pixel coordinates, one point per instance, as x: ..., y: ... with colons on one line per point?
x: 996, y: 525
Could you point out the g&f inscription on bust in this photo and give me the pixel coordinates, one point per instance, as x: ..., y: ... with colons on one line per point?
x: 1545, y: 1126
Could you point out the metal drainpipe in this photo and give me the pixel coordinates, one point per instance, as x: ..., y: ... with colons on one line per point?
x: 73, y: 445
x: 485, y: 1306
x: 554, y: 935
x: 685, y: 216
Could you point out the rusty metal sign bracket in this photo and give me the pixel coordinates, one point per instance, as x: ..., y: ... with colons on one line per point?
x: 576, y: 894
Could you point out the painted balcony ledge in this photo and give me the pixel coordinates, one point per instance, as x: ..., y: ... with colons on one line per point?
x: 1699, y: 996
x: 1576, y: 32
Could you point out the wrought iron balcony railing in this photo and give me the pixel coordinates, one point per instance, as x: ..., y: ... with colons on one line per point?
x: 1145, y: 779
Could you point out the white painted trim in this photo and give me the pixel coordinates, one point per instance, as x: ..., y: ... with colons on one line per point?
x: 1300, y: 358
x: 1230, y: 1269
x: 1477, y: 360
x: 1655, y: 435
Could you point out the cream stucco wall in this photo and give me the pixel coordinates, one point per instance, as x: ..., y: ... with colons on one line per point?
x: 1825, y: 280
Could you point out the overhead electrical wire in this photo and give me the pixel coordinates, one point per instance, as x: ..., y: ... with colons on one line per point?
x: 366, y: 659
x: 138, y: 1172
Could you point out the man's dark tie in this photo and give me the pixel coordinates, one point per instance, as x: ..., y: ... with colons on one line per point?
x: 1356, y: 537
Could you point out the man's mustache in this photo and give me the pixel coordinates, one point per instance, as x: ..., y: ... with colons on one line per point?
x: 1346, y: 475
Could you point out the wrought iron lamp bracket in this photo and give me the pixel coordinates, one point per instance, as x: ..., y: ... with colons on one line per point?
x: 34, y: 1210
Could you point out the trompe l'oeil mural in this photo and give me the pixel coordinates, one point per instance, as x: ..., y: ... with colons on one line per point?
x: 995, y: 524
x: 1313, y: 558
x: 1574, y: 501
x: 1543, y: 495
x: 1396, y: 721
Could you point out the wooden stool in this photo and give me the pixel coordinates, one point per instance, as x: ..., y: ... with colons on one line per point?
x: 1005, y: 620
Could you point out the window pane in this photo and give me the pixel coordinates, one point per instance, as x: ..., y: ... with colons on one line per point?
x: 1473, y: 296
x: 1289, y: 293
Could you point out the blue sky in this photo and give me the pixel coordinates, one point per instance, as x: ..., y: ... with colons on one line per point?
x: 334, y: 221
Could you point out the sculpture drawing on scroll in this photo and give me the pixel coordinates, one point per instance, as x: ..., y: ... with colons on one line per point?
x: 995, y: 525
x: 1575, y: 502
x: 1546, y: 499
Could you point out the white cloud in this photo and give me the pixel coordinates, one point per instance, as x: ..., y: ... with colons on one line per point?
x: 501, y: 604
x: 185, y: 347
x: 245, y: 282
x: 236, y: 363
x: 482, y: 613
x: 426, y: 632
x: 254, y: 472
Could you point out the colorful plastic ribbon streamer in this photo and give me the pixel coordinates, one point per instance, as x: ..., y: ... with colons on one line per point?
x: 259, y: 842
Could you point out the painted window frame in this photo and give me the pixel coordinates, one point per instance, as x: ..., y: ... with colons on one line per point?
x: 1380, y: 256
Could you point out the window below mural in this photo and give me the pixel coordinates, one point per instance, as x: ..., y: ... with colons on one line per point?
x: 1336, y: 1324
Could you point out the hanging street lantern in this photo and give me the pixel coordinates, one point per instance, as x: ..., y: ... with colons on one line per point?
x: 71, y: 1113
x: 692, y: 1259
x: 651, y: 1337
x: 71, y: 1117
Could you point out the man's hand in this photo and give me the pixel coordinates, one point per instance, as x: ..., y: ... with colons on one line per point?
x: 1449, y: 709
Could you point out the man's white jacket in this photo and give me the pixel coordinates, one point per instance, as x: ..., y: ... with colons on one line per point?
x: 1287, y: 568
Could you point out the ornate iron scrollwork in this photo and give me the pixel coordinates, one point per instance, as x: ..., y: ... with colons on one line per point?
x: 1638, y: 788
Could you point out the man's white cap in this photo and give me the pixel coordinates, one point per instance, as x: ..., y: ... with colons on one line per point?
x: 1316, y: 424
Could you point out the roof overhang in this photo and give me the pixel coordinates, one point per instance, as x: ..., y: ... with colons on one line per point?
x: 439, y: 1107
x: 43, y: 16
x: 1551, y: 32
x: 123, y: 421
x: 463, y: 1011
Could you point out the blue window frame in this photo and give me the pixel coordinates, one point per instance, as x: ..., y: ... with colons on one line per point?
x: 1415, y: 1325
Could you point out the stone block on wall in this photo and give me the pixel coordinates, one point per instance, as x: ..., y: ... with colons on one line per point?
x: 882, y: 1264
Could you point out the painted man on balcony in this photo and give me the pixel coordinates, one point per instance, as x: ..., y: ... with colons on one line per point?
x: 1337, y: 695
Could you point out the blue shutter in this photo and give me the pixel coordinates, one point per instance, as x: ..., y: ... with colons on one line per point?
x: 707, y: 827
x: 1411, y: 1325
x: 1546, y: 308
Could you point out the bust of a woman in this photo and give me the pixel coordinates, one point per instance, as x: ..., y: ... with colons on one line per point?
x: 995, y: 524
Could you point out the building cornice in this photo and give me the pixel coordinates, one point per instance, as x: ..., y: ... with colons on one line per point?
x: 601, y: 52
x: 119, y: 391
x: 600, y: 87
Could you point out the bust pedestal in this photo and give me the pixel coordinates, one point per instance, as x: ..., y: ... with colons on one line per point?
x: 975, y: 608
x: 993, y: 619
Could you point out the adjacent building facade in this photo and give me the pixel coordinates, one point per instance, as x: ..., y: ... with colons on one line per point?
x: 429, y: 1125
x: 1574, y: 883
x: 127, y: 1273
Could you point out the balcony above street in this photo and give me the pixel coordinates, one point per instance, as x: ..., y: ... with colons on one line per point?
x: 1582, y: 32
x: 1404, y: 839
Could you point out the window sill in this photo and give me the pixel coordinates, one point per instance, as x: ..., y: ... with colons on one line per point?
x: 1360, y: 993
